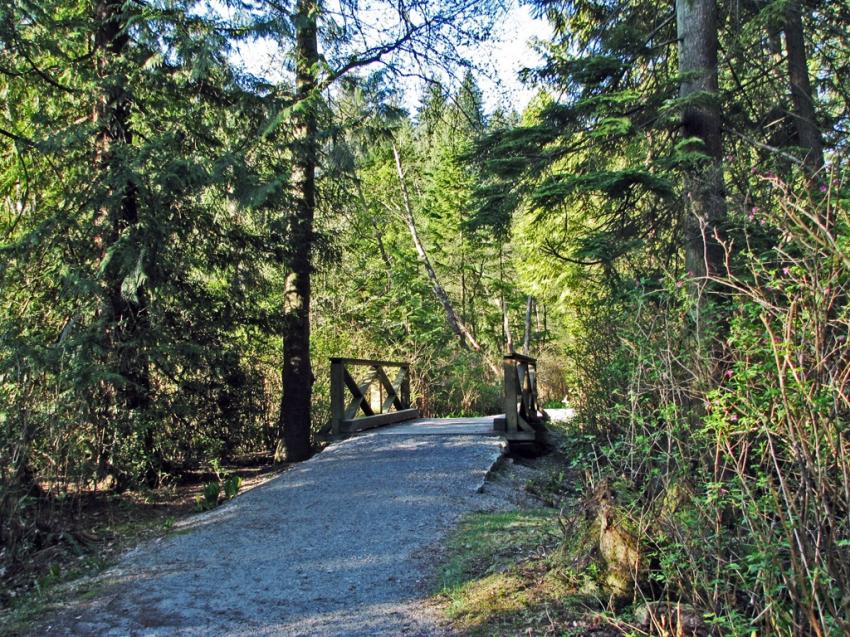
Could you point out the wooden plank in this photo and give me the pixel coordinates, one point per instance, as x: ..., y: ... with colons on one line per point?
x: 391, y: 400
x: 510, y: 396
x: 350, y: 383
x: 524, y: 430
x: 392, y: 396
x: 364, y: 385
x: 528, y: 402
x: 524, y: 425
x: 522, y: 376
x: 357, y: 390
x: 522, y: 421
x: 520, y: 358
x: 369, y: 422
x: 521, y: 436
x: 366, y: 361
x: 532, y: 398
x: 354, y: 406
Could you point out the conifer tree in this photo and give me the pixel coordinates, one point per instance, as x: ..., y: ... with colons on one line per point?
x: 805, y: 119
x: 705, y: 206
x: 297, y: 370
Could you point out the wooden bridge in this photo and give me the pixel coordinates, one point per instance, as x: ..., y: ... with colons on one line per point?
x: 381, y: 397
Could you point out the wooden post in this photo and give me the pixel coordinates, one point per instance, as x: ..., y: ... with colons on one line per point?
x: 337, y: 395
x: 511, y: 424
x: 532, y: 382
x: 404, y: 389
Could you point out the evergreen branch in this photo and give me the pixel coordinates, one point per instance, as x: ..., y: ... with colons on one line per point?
x: 36, y: 69
x: 550, y: 249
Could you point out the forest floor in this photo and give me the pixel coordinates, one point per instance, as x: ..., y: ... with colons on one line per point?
x: 102, y: 527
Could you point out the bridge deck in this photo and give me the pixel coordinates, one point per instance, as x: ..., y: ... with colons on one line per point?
x: 366, y: 399
x: 477, y: 426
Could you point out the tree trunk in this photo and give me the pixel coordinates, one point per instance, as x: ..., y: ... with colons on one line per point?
x: 805, y: 121
x: 506, y: 324
x: 297, y: 371
x: 526, y: 339
x: 463, y: 314
x: 705, y: 206
x: 125, y: 312
x: 457, y: 326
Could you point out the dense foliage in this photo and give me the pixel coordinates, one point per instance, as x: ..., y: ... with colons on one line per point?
x: 147, y: 227
x: 136, y: 220
x: 712, y: 397
x: 666, y: 224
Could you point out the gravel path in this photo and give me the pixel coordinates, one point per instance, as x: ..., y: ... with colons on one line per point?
x: 338, y: 545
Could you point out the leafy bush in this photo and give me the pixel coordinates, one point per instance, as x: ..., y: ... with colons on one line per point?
x: 731, y: 440
x: 209, y: 498
x: 231, y: 487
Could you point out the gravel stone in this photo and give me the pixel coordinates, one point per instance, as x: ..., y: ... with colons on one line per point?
x: 338, y: 545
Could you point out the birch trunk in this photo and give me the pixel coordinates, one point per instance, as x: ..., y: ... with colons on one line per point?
x: 467, y: 340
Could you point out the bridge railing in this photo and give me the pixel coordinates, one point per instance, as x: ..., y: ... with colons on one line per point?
x: 380, y: 397
x: 524, y: 419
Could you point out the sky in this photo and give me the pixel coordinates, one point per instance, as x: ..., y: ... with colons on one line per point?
x: 510, y: 52
x: 503, y: 57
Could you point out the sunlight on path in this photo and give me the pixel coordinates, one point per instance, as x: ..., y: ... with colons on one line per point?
x: 338, y: 545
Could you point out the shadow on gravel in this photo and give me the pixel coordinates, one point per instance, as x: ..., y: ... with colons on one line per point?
x: 335, y: 546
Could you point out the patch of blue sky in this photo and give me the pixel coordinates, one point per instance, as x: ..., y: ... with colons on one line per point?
x: 364, y: 26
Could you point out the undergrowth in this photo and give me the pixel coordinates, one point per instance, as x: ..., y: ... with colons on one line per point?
x: 709, y: 460
x: 721, y: 446
x: 103, y: 527
x: 32, y: 595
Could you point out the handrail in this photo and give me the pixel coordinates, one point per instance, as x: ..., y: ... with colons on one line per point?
x: 393, y: 396
x: 521, y: 357
x: 367, y: 361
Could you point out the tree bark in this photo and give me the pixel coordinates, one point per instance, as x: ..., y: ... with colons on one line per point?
x: 457, y: 326
x: 805, y: 120
x: 297, y: 370
x: 125, y: 311
x: 705, y: 206
x: 463, y: 314
x: 506, y: 324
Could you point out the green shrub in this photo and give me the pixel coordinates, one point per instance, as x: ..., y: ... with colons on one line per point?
x: 209, y: 499
x: 733, y: 437
x: 232, y: 486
